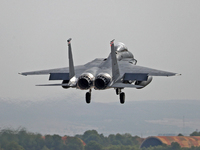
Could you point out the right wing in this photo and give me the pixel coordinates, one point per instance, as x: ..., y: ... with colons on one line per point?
x: 129, y: 73
x: 126, y: 67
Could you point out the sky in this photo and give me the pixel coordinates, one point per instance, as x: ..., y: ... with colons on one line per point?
x: 161, y: 35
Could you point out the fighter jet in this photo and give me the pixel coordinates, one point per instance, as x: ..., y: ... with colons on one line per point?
x: 117, y: 71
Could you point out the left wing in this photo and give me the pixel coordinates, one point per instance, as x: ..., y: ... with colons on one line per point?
x: 69, y: 74
x: 46, y: 72
x: 78, y: 69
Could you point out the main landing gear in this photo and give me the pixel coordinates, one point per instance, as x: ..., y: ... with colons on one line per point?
x: 118, y: 92
x: 121, y: 95
x: 88, y: 96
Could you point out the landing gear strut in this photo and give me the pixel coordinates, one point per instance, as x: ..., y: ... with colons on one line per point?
x: 88, y: 96
x: 121, y: 95
x: 118, y: 91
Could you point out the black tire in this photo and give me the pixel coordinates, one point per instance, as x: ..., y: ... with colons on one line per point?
x: 88, y: 97
x: 122, y: 97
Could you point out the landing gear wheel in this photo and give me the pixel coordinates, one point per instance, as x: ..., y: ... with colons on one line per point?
x: 88, y: 97
x: 122, y: 97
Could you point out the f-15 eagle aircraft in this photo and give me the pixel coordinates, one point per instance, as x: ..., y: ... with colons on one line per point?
x: 118, y: 71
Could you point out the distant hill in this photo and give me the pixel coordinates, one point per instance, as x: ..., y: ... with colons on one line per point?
x: 67, y: 117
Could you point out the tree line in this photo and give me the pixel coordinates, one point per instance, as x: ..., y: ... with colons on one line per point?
x: 21, y: 139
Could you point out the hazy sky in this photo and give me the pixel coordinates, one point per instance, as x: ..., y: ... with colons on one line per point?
x: 161, y: 34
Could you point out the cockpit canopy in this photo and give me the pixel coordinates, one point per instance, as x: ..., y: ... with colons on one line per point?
x: 121, y: 47
x: 122, y: 53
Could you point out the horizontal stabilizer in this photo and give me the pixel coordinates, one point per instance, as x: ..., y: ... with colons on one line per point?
x: 59, y: 76
x: 123, y: 85
x: 135, y: 76
x: 59, y: 84
x: 64, y: 85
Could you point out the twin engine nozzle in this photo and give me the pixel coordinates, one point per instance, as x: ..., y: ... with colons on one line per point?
x: 102, y: 80
x: 87, y: 80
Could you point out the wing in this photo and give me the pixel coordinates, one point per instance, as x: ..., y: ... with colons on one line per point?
x: 128, y: 67
x: 49, y: 71
x: 126, y: 74
x: 63, y: 71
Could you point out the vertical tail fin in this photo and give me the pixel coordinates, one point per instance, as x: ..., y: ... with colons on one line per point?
x: 115, y: 67
x: 71, y: 63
